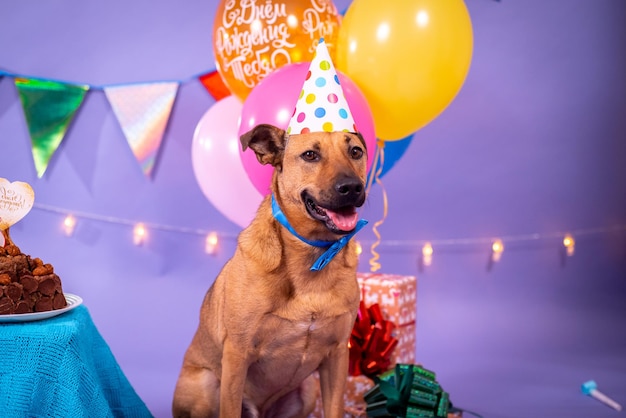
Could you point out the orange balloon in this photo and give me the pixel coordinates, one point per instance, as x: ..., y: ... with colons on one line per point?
x: 253, y: 38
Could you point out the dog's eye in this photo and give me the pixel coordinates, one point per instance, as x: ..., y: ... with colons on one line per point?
x: 356, y: 153
x: 310, y: 156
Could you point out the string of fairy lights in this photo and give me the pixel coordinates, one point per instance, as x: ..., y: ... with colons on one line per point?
x: 424, y: 249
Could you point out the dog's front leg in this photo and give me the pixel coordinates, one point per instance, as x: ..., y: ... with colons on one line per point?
x: 333, y: 374
x: 234, y: 370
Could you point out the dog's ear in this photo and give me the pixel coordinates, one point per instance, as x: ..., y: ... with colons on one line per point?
x: 267, y: 142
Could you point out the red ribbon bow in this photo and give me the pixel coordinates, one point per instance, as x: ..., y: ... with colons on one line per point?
x: 371, y: 342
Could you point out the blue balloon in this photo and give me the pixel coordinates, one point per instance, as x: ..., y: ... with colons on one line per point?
x: 392, y: 152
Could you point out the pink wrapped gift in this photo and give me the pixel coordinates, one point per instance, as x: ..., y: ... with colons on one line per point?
x: 397, y: 297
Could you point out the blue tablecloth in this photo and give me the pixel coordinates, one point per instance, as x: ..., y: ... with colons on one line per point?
x: 62, y: 367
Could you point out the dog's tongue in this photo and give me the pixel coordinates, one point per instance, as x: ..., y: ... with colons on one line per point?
x: 344, y: 220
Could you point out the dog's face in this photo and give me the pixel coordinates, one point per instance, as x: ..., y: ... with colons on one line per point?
x: 320, y: 176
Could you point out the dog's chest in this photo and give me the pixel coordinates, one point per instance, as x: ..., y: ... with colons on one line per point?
x: 288, y: 346
x: 300, y: 335
x: 302, y: 330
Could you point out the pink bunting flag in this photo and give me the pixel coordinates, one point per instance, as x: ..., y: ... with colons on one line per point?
x: 143, y: 111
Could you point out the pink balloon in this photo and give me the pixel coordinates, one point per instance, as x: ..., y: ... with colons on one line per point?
x: 273, y: 100
x: 217, y: 165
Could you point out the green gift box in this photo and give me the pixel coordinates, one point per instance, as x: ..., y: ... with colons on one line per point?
x: 407, y: 391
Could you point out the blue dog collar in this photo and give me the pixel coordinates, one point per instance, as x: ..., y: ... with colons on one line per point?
x: 333, y: 247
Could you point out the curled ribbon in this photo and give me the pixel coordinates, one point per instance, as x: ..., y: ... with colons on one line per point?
x: 379, y: 161
x: 371, y: 342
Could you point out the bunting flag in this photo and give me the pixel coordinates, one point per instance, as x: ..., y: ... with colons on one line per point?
x: 143, y: 111
x: 214, y: 84
x: 49, y: 108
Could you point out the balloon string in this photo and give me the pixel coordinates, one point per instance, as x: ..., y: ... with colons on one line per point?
x: 374, y: 264
x: 376, y: 167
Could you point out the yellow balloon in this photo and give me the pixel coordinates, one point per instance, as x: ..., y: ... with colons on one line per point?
x: 251, y: 39
x: 408, y: 57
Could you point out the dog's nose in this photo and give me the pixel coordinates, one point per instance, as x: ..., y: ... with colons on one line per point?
x: 348, y: 187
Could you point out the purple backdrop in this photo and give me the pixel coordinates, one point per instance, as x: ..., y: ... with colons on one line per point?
x: 534, y: 143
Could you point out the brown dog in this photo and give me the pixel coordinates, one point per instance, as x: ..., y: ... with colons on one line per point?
x: 268, y: 321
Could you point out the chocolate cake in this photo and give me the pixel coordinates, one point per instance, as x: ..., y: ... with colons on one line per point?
x: 27, y: 284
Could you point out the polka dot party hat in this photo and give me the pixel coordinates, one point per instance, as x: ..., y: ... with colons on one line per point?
x: 322, y: 106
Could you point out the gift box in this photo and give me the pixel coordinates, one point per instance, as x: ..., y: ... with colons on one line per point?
x: 397, y: 297
x: 408, y: 391
x: 354, y: 404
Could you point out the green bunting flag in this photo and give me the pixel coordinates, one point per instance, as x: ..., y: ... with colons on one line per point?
x: 49, y: 108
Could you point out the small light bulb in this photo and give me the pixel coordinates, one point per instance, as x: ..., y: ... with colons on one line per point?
x: 427, y: 254
x: 358, y: 248
x: 139, y: 234
x: 69, y: 223
x: 497, y: 247
x: 212, y: 240
x: 569, y: 243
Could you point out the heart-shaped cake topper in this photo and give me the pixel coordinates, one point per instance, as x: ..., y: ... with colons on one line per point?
x: 16, y: 200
